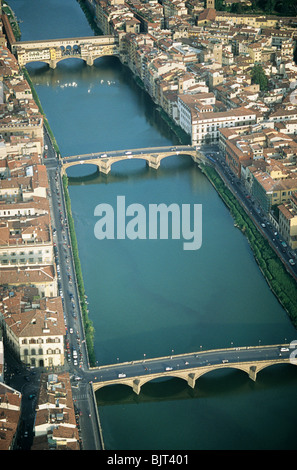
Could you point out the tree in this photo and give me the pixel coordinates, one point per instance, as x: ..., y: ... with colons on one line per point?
x: 258, y: 76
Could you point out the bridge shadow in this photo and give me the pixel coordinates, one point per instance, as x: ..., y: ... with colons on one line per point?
x: 218, y: 383
x: 213, y: 384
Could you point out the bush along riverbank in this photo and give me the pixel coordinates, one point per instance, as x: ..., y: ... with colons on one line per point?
x: 278, y: 278
x: 88, y: 325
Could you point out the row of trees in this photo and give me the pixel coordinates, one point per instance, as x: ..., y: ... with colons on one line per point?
x: 88, y: 325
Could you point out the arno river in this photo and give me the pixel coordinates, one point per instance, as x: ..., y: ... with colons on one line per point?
x: 150, y: 298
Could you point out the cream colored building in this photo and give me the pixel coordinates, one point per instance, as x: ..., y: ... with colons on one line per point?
x: 42, y: 277
x: 37, y: 335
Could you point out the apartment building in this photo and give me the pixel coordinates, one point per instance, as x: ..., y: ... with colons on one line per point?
x: 10, y: 412
x: 288, y: 221
x: 203, y: 124
x: 42, y: 277
x: 55, y: 425
x: 36, y: 335
x: 26, y: 241
x: 270, y: 192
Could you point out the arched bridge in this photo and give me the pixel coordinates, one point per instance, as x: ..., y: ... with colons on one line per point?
x: 52, y: 51
x: 190, y: 367
x: 153, y: 156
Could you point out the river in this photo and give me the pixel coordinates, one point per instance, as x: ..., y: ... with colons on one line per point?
x: 150, y: 297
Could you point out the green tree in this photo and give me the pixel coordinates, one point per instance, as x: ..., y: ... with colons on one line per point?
x: 258, y: 76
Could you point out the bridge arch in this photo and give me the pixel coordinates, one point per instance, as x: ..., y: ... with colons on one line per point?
x: 152, y: 156
x: 190, y: 375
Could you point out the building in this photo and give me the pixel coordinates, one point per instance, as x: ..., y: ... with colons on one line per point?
x: 55, y: 424
x: 36, y: 334
x: 198, y: 118
x: 10, y: 412
x: 288, y: 221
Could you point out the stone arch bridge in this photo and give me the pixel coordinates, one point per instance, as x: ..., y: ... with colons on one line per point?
x: 52, y: 51
x: 190, y: 367
x: 153, y: 157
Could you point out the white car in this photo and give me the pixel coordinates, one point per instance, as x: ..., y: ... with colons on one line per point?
x: 71, y: 330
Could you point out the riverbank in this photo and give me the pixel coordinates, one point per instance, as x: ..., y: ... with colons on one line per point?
x: 279, y: 280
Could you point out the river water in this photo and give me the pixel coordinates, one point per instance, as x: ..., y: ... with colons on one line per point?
x: 150, y: 297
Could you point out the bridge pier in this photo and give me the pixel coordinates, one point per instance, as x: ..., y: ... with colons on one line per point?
x: 191, y: 380
x: 253, y: 373
x: 136, y: 386
x: 154, y: 163
x: 104, y: 167
x: 90, y: 61
x: 52, y: 64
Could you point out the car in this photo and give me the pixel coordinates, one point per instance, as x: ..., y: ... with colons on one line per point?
x: 104, y: 155
x: 168, y: 368
x: 121, y: 375
x: 224, y: 361
x: 284, y: 244
x: 71, y: 330
x: 284, y: 349
x: 32, y: 396
x: 263, y: 225
x: 45, y: 156
x: 292, y: 262
x: 128, y: 153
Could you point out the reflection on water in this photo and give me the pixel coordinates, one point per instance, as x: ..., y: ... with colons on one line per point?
x: 215, y: 384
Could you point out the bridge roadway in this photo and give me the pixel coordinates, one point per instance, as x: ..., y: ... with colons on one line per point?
x: 153, y: 156
x: 189, y: 366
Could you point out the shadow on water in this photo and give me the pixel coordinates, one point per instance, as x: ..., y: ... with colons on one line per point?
x: 220, y: 383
